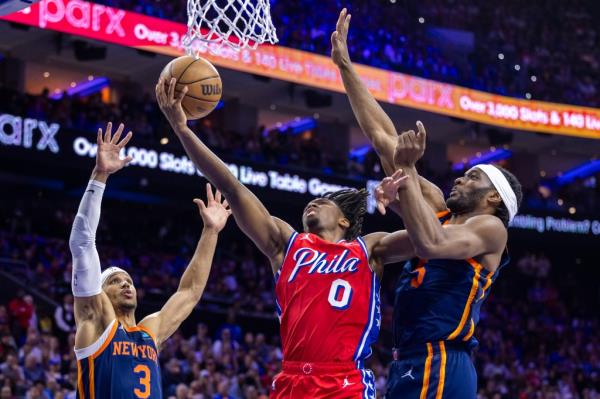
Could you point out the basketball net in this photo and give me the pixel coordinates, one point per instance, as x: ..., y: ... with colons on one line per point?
x: 235, y: 24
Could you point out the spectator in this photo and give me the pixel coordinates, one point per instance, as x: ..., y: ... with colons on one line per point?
x: 6, y: 392
x: 21, y: 310
x: 234, y: 329
x: 225, y: 344
x: 34, y: 372
x: 63, y: 316
x: 13, y: 372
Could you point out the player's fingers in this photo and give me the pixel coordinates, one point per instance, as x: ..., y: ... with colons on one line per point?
x: 340, y: 21
x: 410, y: 137
x: 117, y: 136
x: 334, y: 38
x: 200, y: 203
x: 381, y: 207
x: 164, y: 89
x: 209, y: 193
x: 225, y: 204
x: 399, y: 181
x: 125, y: 140
x: 99, y: 137
x: 127, y: 159
x: 172, y: 84
x: 397, y: 174
x: 181, y: 94
x: 108, y: 132
x: 421, y: 127
x: 158, y: 89
x: 347, y: 25
x: 218, y: 196
x: 400, y: 142
x: 422, y: 135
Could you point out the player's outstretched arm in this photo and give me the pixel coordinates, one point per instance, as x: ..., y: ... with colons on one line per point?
x: 270, y: 234
x: 374, y: 122
x: 191, y: 286
x: 385, y: 248
x: 93, y: 310
x: 480, y: 235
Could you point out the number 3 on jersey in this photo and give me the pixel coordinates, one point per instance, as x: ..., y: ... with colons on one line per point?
x: 144, y: 381
x: 340, y: 294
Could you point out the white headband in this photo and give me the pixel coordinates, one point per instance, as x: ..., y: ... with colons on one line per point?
x: 503, y: 187
x: 109, y: 271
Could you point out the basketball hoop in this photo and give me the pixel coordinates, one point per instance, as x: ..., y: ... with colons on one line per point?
x: 236, y: 24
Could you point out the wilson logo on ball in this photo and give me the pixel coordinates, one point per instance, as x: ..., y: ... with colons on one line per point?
x: 209, y: 90
x: 203, y: 82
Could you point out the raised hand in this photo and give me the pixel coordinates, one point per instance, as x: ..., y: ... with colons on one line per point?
x: 108, y: 160
x: 170, y: 102
x: 410, y: 147
x: 385, y: 192
x: 339, y: 40
x: 214, y: 213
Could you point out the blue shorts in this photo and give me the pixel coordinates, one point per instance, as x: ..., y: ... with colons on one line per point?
x: 436, y: 371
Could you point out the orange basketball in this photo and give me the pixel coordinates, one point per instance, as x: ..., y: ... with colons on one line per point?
x: 203, y: 82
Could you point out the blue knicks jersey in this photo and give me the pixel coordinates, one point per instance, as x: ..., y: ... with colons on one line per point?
x: 123, y: 363
x: 440, y: 299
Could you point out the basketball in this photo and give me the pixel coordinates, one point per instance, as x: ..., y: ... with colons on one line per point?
x: 203, y: 82
x: 10, y: 6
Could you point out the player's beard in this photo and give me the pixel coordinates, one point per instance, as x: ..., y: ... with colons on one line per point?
x: 127, y: 307
x: 466, y: 203
x: 312, y: 223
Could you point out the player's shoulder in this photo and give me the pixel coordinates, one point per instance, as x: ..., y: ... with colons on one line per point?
x: 373, y: 239
x: 486, y: 222
x: 285, y: 230
x: 490, y: 229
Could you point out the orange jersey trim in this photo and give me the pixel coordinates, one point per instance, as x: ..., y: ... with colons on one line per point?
x: 91, y: 365
x: 488, y: 282
x: 441, y: 214
x: 416, y: 281
x: 80, y: 380
x: 143, y: 329
x: 471, y: 331
x: 427, y: 372
x: 474, y: 286
x: 440, y: 388
x: 108, y: 340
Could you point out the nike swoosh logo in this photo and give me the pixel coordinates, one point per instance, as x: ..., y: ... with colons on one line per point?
x: 90, y: 191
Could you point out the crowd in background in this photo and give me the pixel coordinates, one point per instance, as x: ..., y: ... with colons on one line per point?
x: 548, y: 49
x: 538, y: 329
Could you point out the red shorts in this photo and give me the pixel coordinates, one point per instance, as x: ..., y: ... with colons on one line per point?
x: 299, y: 380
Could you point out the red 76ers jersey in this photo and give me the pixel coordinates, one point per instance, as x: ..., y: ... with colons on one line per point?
x: 328, y: 301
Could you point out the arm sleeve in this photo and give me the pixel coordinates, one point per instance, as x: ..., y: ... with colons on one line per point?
x: 82, y: 242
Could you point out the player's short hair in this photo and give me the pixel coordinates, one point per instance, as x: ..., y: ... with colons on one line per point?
x: 502, y: 211
x: 353, y: 204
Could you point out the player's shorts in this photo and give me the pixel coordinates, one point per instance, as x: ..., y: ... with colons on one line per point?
x: 438, y: 370
x: 300, y: 380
